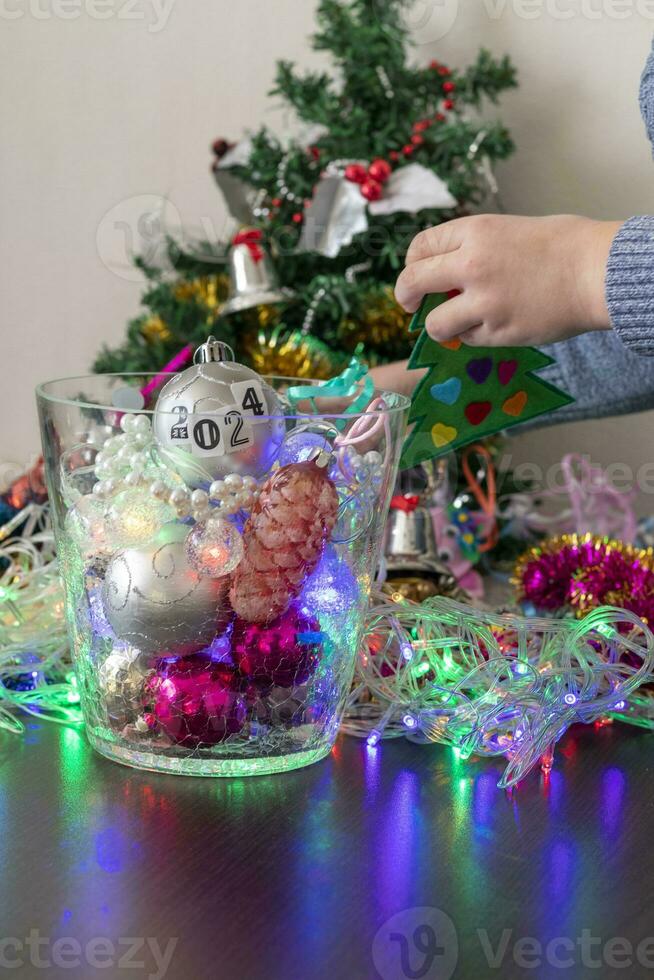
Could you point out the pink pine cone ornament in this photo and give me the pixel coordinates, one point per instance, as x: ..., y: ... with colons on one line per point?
x: 284, y: 539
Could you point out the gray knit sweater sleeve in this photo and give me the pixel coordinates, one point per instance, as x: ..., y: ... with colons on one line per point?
x: 604, y: 370
x: 630, y: 270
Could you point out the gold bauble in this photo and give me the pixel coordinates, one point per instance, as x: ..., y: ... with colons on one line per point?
x: 417, y: 588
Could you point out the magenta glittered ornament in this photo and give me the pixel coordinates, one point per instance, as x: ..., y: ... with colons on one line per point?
x: 195, y: 701
x: 284, y: 653
x: 581, y: 573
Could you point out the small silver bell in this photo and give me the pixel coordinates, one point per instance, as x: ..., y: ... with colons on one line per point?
x: 413, y: 566
x: 410, y: 544
x: 252, y: 280
x: 410, y: 536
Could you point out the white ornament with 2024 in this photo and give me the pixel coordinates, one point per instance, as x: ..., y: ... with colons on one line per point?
x: 218, y: 418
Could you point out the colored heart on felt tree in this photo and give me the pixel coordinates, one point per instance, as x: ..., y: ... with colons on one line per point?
x: 476, y: 412
x: 515, y: 405
x: 506, y: 370
x: 443, y: 434
x: 447, y: 392
x: 479, y: 369
x: 450, y: 344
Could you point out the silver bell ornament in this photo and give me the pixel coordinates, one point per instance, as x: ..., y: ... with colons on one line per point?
x: 252, y: 279
x: 156, y: 601
x: 413, y: 566
x: 218, y: 417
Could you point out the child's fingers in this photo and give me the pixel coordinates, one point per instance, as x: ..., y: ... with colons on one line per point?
x: 434, y: 275
x: 452, y: 319
x: 436, y: 241
x: 479, y: 336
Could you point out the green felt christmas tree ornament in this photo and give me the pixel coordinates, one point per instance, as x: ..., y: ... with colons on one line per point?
x: 470, y: 393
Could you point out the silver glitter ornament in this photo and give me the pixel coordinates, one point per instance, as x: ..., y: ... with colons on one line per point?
x: 218, y: 417
x: 121, y: 678
x: 154, y: 600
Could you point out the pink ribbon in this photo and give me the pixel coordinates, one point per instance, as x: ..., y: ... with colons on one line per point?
x: 177, y: 362
x: 593, y: 504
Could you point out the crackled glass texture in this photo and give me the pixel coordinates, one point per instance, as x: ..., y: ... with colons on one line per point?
x: 216, y: 595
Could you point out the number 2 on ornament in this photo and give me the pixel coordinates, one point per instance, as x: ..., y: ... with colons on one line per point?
x: 220, y: 434
x: 238, y: 436
x: 179, y: 429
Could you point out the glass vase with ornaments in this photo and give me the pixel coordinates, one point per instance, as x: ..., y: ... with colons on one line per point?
x: 217, y: 545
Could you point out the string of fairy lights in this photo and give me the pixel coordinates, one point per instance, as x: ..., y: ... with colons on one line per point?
x: 488, y: 684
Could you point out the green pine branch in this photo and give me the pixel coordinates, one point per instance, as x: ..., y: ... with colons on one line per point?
x: 486, y: 79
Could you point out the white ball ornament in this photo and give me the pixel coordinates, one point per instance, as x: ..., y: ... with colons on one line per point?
x: 156, y: 601
x: 218, y: 418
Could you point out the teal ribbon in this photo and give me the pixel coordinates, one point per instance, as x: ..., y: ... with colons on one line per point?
x: 344, y: 385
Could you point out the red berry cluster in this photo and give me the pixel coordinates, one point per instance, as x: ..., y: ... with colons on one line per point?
x: 373, y: 178
x: 449, y: 87
x: 370, y: 179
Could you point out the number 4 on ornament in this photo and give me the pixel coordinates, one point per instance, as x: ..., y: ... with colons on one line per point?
x: 249, y: 395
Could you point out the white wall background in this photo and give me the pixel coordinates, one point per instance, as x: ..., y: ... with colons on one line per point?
x: 107, y: 102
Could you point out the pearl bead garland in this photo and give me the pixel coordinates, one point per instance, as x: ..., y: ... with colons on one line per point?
x: 122, y: 463
x: 227, y: 496
x: 123, y: 459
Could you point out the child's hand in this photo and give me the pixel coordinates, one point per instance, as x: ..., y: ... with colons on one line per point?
x: 523, y: 281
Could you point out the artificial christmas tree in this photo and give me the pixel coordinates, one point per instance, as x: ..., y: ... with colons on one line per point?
x: 387, y: 150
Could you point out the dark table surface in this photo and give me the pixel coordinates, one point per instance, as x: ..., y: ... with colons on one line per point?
x: 397, y: 862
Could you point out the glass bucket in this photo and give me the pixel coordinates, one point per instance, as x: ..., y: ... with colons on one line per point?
x: 215, y: 603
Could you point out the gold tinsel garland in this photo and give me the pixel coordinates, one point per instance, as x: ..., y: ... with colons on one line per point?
x: 270, y: 350
x: 579, y: 573
x: 155, y: 330
x: 208, y: 291
x: 290, y: 355
x: 383, y: 324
